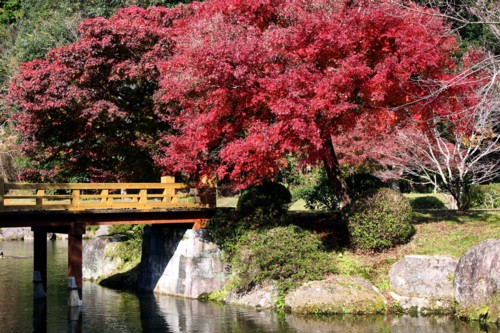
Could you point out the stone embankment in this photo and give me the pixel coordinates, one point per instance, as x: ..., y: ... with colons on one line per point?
x: 9, y: 234
x: 175, y: 262
x: 184, y: 263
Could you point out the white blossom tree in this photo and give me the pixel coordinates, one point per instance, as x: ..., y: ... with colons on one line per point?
x: 462, y: 150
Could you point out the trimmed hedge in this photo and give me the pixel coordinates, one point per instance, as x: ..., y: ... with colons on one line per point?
x: 270, y: 200
x: 427, y: 202
x: 380, y: 221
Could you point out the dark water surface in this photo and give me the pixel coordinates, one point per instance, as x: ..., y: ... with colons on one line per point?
x: 106, y: 310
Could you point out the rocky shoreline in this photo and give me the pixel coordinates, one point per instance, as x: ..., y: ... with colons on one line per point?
x: 185, y: 263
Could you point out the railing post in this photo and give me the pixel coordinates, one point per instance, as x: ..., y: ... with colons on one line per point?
x: 39, y: 200
x: 105, y: 197
x: 2, y: 194
x: 143, y: 196
x: 168, y: 193
x: 168, y: 180
x: 75, y: 199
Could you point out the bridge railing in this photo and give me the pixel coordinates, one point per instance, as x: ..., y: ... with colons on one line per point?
x: 96, y: 196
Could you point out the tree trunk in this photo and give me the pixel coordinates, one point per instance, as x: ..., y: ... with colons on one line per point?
x: 336, y: 180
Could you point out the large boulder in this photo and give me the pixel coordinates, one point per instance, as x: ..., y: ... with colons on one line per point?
x: 180, y: 262
x: 260, y: 297
x: 100, y: 258
x: 336, y: 294
x: 424, y: 283
x: 477, y: 281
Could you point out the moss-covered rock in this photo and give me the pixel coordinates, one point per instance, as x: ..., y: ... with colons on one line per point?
x: 337, y: 294
x: 477, y: 282
x: 424, y: 283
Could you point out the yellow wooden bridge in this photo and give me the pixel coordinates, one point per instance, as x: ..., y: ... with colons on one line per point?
x: 70, y: 207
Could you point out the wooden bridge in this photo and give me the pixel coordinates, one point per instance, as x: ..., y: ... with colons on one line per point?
x: 71, y: 207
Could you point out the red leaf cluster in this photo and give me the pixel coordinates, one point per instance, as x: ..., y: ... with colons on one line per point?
x: 231, y: 87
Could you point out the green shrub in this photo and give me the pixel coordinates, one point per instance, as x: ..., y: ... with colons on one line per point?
x: 427, y: 202
x: 130, y: 247
x: 319, y: 195
x: 380, y: 221
x: 288, y: 255
x: 225, y: 229
x: 489, y: 198
x: 361, y: 183
x: 270, y: 200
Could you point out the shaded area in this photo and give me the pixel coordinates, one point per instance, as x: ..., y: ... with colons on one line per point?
x: 431, y: 216
x: 158, y: 247
x: 126, y: 280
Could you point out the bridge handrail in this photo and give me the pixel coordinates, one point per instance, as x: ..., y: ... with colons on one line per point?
x: 96, y: 196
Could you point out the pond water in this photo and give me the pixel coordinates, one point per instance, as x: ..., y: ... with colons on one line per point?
x: 107, y: 310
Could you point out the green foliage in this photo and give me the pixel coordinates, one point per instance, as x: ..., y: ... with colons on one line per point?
x: 487, y: 196
x: 427, y: 202
x: 361, y: 183
x: 269, y: 200
x: 10, y: 11
x: 380, y: 221
x: 225, y: 230
x: 320, y: 194
x: 130, y: 249
x: 288, y: 255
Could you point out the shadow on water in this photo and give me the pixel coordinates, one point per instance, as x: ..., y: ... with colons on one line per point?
x: 151, y: 319
x: 161, y: 313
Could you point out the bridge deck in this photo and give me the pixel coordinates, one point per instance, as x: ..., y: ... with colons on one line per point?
x: 69, y: 208
x: 59, y: 221
x: 62, y: 205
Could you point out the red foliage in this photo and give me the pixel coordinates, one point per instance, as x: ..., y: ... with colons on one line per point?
x: 235, y: 85
x: 252, y: 82
x: 85, y: 111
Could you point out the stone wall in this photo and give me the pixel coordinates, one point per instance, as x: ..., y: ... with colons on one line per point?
x: 180, y: 262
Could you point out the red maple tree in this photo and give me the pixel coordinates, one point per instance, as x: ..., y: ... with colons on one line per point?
x: 251, y: 83
x: 85, y: 112
x: 231, y: 88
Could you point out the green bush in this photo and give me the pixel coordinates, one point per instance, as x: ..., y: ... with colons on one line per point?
x: 489, y: 197
x: 321, y: 195
x: 380, y: 221
x: 225, y: 229
x: 361, y: 183
x: 427, y: 202
x: 288, y: 255
x: 269, y: 200
x: 130, y: 246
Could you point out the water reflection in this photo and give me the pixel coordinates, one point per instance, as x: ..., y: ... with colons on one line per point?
x: 39, y: 315
x: 108, y: 311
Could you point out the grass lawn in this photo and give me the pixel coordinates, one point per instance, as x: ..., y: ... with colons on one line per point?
x: 442, y: 232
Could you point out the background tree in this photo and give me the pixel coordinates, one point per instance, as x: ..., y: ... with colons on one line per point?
x: 252, y: 83
x: 456, y: 152
x: 85, y: 112
x: 29, y: 29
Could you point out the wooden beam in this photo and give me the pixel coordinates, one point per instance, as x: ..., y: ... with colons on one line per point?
x: 2, y: 193
x: 75, y: 248
x: 40, y: 254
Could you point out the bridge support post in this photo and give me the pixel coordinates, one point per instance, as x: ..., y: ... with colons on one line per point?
x: 40, y: 258
x: 75, y: 254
